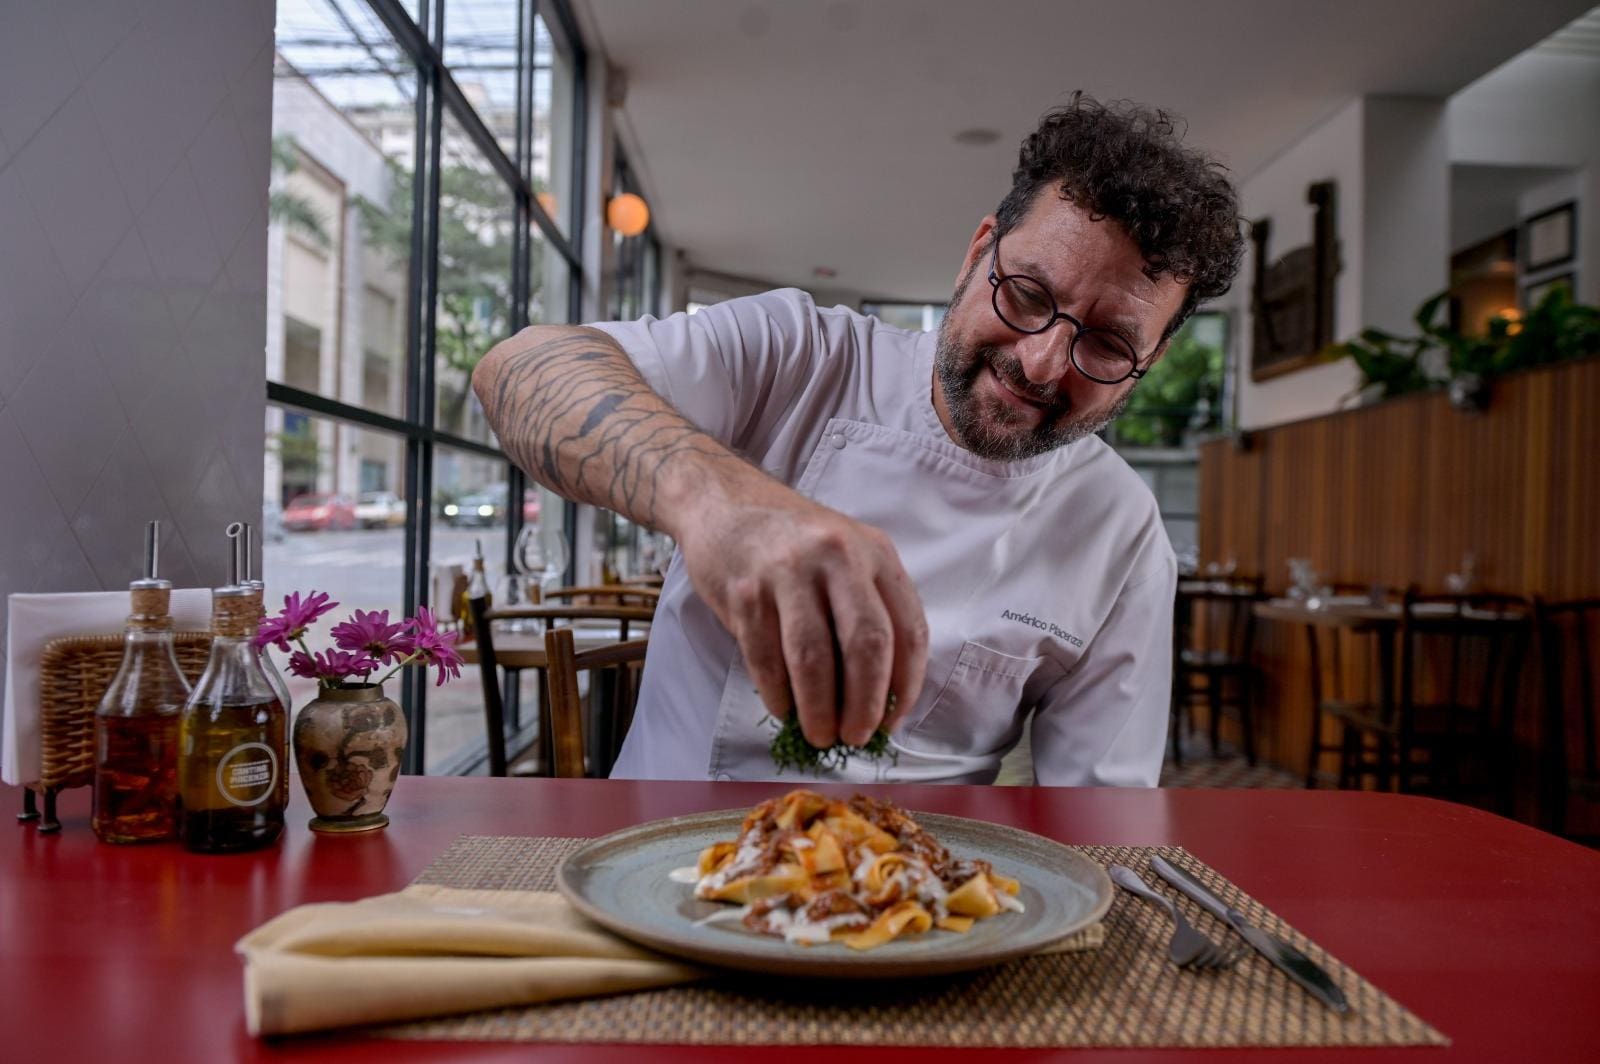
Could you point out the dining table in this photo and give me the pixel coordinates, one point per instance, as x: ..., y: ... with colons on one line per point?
x: 1485, y: 928
x: 519, y: 644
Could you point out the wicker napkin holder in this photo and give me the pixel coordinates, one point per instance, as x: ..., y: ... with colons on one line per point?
x: 74, y: 674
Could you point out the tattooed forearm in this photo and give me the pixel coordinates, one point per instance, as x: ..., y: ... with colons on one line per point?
x: 572, y: 411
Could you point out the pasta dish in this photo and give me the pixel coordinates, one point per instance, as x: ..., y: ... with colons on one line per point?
x: 812, y: 870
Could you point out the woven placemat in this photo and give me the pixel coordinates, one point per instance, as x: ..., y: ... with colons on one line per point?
x: 1124, y: 993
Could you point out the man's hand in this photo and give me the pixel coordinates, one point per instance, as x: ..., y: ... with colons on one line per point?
x: 819, y: 603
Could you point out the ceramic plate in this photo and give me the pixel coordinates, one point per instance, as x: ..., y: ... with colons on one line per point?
x: 622, y: 882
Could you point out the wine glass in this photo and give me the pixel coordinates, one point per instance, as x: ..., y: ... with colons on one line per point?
x: 1465, y: 581
x: 548, y: 557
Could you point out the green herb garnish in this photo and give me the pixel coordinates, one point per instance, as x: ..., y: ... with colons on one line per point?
x: 790, y: 748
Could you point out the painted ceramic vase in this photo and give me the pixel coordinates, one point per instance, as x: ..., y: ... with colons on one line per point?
x: 348, y: 744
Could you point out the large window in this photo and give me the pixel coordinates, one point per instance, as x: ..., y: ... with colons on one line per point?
x: 422, y: 208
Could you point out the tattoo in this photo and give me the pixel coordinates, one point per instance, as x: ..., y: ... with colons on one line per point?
x: 598, y: 414
x: 579, y: 419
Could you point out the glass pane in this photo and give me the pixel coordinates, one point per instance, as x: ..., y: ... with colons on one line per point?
x: 333, y: 520
x: 470, y: 496
x: 476, y: 216
x: 544, y: 548
x: 918, y: 317
x: 339, y: 237
x: 480, y: 48
x: 554, y: 106
x: 550, y: 282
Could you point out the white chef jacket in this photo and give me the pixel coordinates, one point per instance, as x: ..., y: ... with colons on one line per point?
x: 1048, y: 582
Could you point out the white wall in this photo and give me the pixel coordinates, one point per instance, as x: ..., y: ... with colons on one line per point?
x: 1330, y: 151
x: 134, y: 158
x: 1540, y: 109
x: 1406, y: 222
x: 1389, y: 158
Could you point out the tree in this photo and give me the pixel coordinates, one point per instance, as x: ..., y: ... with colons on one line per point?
x: 475, y: 248
x: 1183, y: 387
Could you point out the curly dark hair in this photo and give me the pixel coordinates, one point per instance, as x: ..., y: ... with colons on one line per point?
x: 1126, y: 162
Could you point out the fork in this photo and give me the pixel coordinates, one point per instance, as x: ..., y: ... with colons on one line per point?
x: 1189, y: 947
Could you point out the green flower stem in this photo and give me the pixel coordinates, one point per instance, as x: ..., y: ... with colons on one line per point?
x: 398, y: 666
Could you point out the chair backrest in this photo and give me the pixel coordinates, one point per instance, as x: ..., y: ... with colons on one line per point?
x: 1218, y: 617
x: 622, y: 660
x: 489, y: 677
x: 605, y: 595
x: 558, y: 614
x: 1343, y: 661
x: 1462, y: 652
x: 1567, y: 635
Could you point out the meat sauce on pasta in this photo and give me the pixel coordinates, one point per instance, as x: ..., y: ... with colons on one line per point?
x: 812, y: 869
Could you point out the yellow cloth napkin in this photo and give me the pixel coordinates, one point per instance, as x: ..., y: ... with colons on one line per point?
x: 432, y: 951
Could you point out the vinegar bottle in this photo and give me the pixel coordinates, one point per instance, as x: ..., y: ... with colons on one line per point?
x: 136, y: 722
x: 234, y: 739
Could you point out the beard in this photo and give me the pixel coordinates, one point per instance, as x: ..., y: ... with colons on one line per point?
x: 991, y: 429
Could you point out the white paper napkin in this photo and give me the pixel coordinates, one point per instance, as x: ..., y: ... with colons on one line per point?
x: 34, y: 620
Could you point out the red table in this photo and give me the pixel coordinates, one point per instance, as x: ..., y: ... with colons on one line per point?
x: 1487, y: 929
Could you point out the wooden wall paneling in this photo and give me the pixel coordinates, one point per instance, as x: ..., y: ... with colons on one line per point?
x: 1397, y: 493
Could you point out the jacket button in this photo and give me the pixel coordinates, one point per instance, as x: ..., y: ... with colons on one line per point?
x: 838, y: 440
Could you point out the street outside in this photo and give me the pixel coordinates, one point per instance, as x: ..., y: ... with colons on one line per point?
x: 364, y: 569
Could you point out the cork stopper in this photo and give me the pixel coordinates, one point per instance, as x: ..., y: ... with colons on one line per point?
x: 152, y: 604
x: 235, y: 612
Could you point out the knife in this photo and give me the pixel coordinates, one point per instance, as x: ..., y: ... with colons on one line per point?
x: 1290, y: 961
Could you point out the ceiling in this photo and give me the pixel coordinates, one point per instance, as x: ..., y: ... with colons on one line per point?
x: 777, y: 136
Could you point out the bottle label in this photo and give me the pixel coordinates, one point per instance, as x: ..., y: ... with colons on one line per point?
x: 247, y: 774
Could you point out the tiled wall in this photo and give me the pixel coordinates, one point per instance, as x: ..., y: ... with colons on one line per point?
x: 134, y: 158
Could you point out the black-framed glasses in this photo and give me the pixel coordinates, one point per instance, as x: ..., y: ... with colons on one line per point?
x: 1027, y: 306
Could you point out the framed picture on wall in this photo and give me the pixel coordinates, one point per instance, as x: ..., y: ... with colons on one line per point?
x: 1550, y: 237
x: 1533, y: 294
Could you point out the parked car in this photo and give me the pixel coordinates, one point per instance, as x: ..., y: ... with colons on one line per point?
x: 481, y: 509
x: 380, y: 509
x: 488, y: 507
x: 319, y: 512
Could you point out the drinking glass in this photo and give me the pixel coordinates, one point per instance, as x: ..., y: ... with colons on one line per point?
x: 551, y: 555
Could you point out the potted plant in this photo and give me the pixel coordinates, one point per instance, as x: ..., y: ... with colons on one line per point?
x: 1556, y: 330
x: 348, y: 742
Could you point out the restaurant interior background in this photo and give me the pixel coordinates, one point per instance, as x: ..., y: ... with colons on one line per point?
x: 371, y: 192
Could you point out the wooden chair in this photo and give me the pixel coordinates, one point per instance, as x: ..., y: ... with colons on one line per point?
x: 605, y: 595
x: 1567, y: 633
x: 491, y: 661
x: 1213, y: 632
x: 623, y: 660
x: 1344, y: 670
x: 1460, y: 659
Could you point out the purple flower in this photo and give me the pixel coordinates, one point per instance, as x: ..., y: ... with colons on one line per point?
x: 431, y: 646
x: 300, y: 664
x: 293, y: 620
x: 371, y: 633
x: 331, y: 666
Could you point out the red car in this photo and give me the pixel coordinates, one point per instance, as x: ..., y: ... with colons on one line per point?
x: 319, y: 513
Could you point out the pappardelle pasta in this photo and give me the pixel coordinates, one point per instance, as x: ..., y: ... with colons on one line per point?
x: 812, y: 869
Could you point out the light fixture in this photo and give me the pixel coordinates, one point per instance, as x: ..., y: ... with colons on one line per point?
x: 627, y: 214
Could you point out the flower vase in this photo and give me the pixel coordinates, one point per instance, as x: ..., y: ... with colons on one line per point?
x: 348, y: 744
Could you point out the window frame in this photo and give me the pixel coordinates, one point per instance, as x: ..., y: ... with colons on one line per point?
x: 437, y: 93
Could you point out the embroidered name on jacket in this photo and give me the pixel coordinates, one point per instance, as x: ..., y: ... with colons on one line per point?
x: 1042, y: 625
